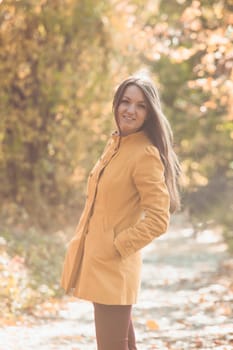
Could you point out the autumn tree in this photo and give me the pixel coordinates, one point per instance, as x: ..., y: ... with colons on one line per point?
x: 53, y: 66
x: 191, y: 51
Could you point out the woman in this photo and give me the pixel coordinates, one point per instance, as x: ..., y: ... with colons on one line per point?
x: 130, y: 192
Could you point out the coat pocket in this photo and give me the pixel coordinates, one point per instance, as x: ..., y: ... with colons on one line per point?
x: 112, y: 252
x: 100, y: 245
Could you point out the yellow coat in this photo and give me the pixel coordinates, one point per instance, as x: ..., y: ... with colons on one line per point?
x: 127, y: 206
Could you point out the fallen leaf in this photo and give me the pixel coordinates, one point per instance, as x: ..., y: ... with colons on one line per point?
x: 152, y: 325
x: 198, y: 343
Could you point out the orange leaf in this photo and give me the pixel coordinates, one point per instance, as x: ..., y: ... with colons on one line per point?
x: 152, y: 325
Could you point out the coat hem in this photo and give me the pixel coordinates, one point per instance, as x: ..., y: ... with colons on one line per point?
x: 102, y: 301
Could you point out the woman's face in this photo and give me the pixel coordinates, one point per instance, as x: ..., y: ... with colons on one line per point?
x: 132, y: 110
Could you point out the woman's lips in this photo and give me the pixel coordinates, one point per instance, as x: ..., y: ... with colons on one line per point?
x: 128, y: 118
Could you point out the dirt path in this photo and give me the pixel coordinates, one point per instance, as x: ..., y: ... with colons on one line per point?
x: 186, y: 302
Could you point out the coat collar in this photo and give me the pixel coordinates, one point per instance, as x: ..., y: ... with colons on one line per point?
x: 134, y: 137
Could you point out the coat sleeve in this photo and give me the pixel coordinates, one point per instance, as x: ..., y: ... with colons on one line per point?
x: 148, y: 176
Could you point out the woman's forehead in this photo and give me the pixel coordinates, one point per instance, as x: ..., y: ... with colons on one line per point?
x: 133, y: 91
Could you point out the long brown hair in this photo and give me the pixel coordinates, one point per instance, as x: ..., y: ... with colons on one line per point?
x: 158, y: 130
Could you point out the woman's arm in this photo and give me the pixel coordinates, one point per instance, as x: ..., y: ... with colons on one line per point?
x: 148, y: 177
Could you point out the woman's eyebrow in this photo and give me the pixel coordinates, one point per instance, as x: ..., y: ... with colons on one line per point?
x: 142, y: 101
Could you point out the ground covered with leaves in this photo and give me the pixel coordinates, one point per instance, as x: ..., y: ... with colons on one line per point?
x: 186, y: 302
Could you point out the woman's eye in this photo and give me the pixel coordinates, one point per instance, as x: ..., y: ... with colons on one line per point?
x: 124, y: 101
x: 142, y: 106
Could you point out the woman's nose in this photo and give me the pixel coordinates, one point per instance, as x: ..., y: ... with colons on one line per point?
x: 131, y: 108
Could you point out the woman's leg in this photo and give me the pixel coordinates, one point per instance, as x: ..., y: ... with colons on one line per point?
x: 114, y: 329
x: 131, y: 337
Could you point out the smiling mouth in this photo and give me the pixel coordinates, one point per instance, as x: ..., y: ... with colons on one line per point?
x: 128, y: 118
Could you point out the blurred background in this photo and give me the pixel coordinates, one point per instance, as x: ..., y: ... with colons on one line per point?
x: 60, y: 62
